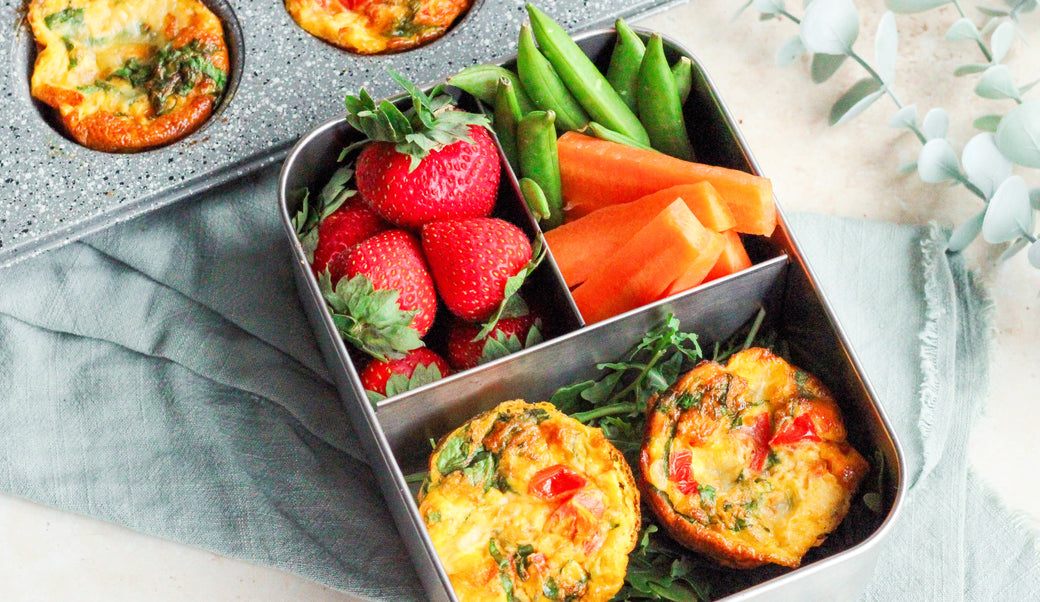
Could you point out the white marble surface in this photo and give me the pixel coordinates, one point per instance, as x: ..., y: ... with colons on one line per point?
x: 849, y: 170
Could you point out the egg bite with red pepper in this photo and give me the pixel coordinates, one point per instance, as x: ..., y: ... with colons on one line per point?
x: 748, y: 462
x: 525, y: 503
x: 376, y: 26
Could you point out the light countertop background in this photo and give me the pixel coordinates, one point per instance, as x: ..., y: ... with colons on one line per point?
x: 850, y: 170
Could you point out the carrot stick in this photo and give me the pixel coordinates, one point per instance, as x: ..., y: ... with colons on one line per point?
x: 642, y: 269
x: 734, y: 258
x: 711, y: 247
x: 597, y: 172
x: 579, y: 246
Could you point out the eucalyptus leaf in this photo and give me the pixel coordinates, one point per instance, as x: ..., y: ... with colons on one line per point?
x: 1000, y: 42
x: 913, y: 6
x: 824, y: 66
x: 992, y: 12
x: 997, y: 82
x: 991, y: 26
x: 856, y: 100
x: 1009, y: 214
x: 984, y: 164
x: 936, y: 123
x: 1034, y: 254
x: 790, y: 51
x: 770, y: 7
x: 1018, y: 135
x: 886, y: 47
x: 1014, y: 248
x: 904, y: 118
x: 962, y: 29
x: 908, y: 168
x: 937, y: 162
x: 1034, y: 198
x: 969, y: 69
x: 830, y: 26
x: 987, y: 123
x: 962, y: 236
x: 1029, y: 86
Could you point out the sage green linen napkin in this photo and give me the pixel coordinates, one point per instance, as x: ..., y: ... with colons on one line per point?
x: 161, y: 375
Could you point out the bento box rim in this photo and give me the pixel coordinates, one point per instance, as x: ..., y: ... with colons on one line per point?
x: 794, y: 254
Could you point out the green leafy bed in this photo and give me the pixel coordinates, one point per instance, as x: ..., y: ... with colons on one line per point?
x: 615, y: 402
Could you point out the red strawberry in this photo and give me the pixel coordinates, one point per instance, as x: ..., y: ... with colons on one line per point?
x: 509, y: 335
x: 342, y: 229
x: 457, y: 180
x: 382, y: 293
x: 388, y: 378
x: 429, y: 161
x: 472, y: 259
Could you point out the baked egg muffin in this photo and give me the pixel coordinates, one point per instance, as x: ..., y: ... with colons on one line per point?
x: 126, y: 75
x: 525, y: 503
x: 748, y: 462
x: 376, y: 26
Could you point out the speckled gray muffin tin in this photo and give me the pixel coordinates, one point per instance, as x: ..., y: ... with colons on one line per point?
x: 284, y: 82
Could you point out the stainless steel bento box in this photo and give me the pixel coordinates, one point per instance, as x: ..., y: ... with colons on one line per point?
x: 397, y: 431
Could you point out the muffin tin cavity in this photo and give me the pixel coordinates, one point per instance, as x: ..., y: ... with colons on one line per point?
x: 181, y: 64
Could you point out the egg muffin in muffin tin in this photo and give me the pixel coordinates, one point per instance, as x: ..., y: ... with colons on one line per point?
x: 127, y: 75
x: 376, y: 26
x: 748, y: 462
x: 524, y: 503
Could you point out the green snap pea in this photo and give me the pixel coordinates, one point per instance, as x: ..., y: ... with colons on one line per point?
x: 481, y: 81
x: 539, y: 161
x: 659, y: 106
x: 583, y: 78
x: 544, y: 85
x: 683, y: 72
x: 604, y: 133
x: 534, y: 196
x: 506, y: 118
x: 623, y: 70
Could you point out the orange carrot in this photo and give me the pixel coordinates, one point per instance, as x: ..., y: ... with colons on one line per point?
x: 707, y: 204
x: 733, y: 259
x: 711, y: 249
x: 642, y: 269
x: 578, y: 246
x: 597, y: 172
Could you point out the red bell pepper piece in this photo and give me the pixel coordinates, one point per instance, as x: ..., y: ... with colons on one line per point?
x: 759, y: 432
x: 555, y: 482
x: 799, y: 429
x: 680, y: 472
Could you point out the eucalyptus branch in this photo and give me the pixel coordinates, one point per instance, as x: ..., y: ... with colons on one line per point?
x: 828, y: 30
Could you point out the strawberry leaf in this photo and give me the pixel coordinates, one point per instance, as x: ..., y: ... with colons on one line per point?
x: 510, y: 306
x: 429, y: 124
x: 369, y: 318
x: 305, y: 223
x: 501, y: 344
x: 336, y: 191
x: 399, y: 383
